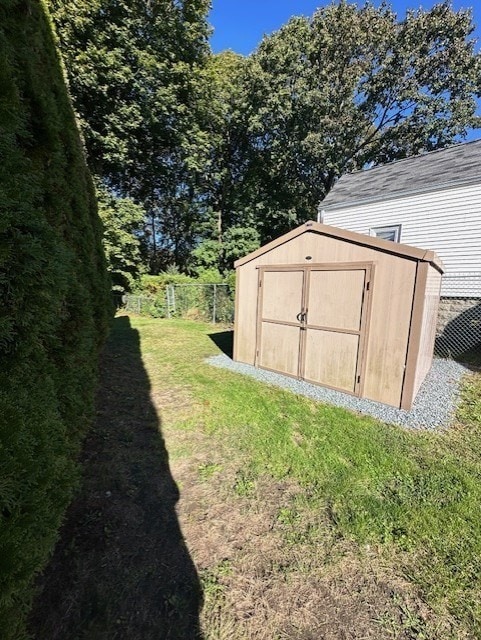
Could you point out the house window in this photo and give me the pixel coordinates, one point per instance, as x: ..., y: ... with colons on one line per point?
x: 391, y: 232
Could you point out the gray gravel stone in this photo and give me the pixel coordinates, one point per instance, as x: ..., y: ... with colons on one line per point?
x: 433, y: 408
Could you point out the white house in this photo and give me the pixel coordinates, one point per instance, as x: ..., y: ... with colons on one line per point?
x: 432, y: 201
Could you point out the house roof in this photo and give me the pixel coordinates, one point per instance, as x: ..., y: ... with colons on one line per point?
x: 443, y: 168
x: 396, y: 248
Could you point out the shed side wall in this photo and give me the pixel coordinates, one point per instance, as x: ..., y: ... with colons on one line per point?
x: 392, y: 291
x: 246, y: 313
x: 428, y: 328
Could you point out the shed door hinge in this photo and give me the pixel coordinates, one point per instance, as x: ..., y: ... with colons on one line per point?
x: 368, y: 285
x: 358, y: 379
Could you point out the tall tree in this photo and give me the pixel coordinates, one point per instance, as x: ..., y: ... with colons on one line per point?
x: 227, y: 140
x: 352, y: 87
x: 134, y: 74
x: 123, y: 221
x: 226, y: 221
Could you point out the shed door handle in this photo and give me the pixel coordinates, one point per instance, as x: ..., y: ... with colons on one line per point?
x: 299, y: 316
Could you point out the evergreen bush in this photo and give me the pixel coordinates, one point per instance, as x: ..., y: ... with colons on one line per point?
x: 54, y: 296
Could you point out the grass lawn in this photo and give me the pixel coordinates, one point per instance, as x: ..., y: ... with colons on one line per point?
x: 295, y: 519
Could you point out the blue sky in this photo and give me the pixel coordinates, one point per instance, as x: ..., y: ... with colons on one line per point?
x: 240, y: 24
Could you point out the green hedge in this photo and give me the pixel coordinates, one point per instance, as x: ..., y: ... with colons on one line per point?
x: 54, y: 310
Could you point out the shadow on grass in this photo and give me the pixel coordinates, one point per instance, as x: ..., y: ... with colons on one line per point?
x: 121, y: 568
x: 224, y: 340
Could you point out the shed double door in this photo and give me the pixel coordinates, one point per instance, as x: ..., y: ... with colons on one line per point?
x: 312, y: 322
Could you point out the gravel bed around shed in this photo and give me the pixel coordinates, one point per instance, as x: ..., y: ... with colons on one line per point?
x: 433, y: 408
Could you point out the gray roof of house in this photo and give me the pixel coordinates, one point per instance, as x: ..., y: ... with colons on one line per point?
x: 431, y: 171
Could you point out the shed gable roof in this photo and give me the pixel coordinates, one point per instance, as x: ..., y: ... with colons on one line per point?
x: 403, y: 250
x: 444, y: 168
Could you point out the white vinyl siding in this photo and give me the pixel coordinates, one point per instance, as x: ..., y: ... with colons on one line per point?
x: 447, y: 221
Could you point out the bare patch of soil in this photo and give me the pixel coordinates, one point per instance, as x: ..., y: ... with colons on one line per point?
x: 271, y: 569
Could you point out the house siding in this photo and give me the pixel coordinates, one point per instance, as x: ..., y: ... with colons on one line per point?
x: 447, y: 221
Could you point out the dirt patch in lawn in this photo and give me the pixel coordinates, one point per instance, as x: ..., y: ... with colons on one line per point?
x: 196, y: 546
x: 271, y: 569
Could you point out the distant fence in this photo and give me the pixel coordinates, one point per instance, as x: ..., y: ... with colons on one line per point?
x: 459, y: 319
x: 206, y: 302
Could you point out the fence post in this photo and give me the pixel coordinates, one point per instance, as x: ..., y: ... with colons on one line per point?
x: 214, y: 305
x: 170, y: 299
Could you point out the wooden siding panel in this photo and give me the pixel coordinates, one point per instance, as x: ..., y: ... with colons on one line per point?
x: 389, y: 330
x: 448, y: 222
x: 245, y: 323
x: 428, y: 328
x: 335, y: 299
x: 331, y: 358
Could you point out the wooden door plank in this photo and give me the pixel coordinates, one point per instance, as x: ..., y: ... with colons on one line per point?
x: 280, y: 348
x: 282, y: 295
x: 331, y: 359
x: 336, y: 326
x: 335, y: 298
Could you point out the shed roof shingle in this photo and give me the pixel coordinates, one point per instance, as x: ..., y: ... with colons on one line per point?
x: 429, y: 171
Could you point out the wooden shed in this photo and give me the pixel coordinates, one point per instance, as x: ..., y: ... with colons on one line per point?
x: 340, y: 309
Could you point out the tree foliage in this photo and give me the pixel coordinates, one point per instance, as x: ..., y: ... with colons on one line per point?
x: 123, y: 222
x: 135, y: 74
x: 228, y: 145
x: 206, y: 143
x: 54, y: 301
x: 352, y: 87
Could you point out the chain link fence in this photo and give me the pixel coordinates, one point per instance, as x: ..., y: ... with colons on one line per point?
x: 211, y: 302
x: 459, y: 318
x: 206, y: 302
